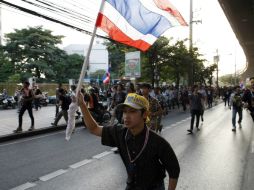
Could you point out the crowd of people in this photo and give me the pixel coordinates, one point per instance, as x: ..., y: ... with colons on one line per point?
x: 137, y: 111
x: 161, y: 100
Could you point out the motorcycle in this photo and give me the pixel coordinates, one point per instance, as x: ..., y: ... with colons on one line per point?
x: 104, y: 115
x: 9, y: 102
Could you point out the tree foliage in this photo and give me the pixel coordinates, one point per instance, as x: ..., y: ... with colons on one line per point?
x: 33, y: 52
x: 171, y: 62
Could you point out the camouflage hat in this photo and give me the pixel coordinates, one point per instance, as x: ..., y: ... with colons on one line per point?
x: 135, y: 101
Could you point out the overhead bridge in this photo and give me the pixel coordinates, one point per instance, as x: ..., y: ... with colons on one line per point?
x: 240, y: 14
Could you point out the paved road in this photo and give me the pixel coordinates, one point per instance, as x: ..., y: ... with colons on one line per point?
x: 214, y: 158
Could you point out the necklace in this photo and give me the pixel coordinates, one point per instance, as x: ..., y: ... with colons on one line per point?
x: 139, y: 154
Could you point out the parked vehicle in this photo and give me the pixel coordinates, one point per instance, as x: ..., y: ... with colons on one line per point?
x: 104, y: 116
x: 9, y: 102
x: 44, y: 99
x: 52, y: 99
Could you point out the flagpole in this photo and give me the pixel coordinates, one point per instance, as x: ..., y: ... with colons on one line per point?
x: 73, y: 107
x: 85, y: 63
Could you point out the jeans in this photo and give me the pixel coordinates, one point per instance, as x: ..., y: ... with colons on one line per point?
x: 240, y: 114
x: 29, y: 108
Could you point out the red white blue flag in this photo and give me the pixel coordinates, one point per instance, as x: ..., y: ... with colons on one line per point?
x: 138, y: 23
x: 106, y: 78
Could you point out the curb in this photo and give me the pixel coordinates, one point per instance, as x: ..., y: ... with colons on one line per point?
x: 25, y: 134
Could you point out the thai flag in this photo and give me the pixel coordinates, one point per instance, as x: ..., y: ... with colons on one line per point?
x: 106, y: 78
x: 138, y: 23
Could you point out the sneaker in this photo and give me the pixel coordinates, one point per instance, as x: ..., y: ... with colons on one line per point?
x: 233, y: 129
x: 53, y: 125
x: 240, y: 125
x: 18, y: 130
x: 31, y: 128
x: 198, y: 129
x: 189, y: 130
x: 202, y: 119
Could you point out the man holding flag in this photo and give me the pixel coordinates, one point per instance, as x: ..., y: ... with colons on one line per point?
x: 146, y: 155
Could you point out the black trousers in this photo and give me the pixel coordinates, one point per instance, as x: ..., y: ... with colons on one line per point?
x: 157, y: 186
x: 195, y: 113
x: 29, y: 108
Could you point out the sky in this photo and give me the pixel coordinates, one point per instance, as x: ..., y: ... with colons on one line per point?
x: 211, y: 32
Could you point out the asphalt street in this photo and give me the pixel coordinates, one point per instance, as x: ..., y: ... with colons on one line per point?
x: 214, y: 158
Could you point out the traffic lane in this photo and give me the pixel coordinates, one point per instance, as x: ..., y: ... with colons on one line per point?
x: 209, y: 159
x: 105, y: 173
x: 29, y: 159
x: 214, y: 157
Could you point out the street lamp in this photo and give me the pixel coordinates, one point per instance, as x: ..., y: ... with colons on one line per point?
x: 216, y: 59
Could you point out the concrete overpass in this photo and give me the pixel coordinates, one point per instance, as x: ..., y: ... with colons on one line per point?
x: 240, y: 14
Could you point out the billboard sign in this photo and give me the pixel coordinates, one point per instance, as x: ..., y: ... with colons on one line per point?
x: 132, y: 64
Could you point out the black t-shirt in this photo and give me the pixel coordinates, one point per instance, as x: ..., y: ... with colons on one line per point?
x: 149, y: 168
x: 65, y: 102
x: 196, y: 101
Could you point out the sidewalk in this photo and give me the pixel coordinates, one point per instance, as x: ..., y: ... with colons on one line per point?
x: 42, y: 119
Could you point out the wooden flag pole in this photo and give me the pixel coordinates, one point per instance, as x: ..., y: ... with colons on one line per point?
x: 85, y: 64
x: 74, y: 106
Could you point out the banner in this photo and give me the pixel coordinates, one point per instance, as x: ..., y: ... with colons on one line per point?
x: 132, y: 65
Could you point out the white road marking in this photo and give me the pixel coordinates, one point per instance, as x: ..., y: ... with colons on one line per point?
x: 52, y: 175
x: 98, y: 156
x: 24, y: 186
x: 81, y: 163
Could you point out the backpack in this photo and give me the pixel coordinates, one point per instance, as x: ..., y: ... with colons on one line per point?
x: 68, y: 100
x: 237, y: 101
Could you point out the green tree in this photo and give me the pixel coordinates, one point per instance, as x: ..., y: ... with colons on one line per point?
x: 33, y: 51
x: 6, y: 68
x: 66, y: 67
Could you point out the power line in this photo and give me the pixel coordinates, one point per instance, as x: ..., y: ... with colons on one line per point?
x: 54, y: 10
x: 50, y: 18
x: 63, y: 9
x: 82, y: 7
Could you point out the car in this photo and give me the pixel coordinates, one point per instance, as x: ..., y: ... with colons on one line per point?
x: 52, y: 99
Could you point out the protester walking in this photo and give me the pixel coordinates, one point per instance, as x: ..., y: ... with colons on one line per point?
x: 145, y: 154
x: 118, y: 98
x: 155, y: 110
x: 26, y: 100
x: 57, y: 97
x: 64, y: 103
x: 236, y: 104
x: 248, y: 98
x: 195, y: 108
x: 37, y: 96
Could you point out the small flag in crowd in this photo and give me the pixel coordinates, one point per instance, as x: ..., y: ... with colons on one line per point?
x: 106, y: 78
x: 138, y: 23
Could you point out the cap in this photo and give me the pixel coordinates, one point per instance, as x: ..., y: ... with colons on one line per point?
x: 135, y: 101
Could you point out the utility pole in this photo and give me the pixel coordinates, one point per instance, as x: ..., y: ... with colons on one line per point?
x: 191, y: 78
x: 216, y: 59
x: 191, y: 73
